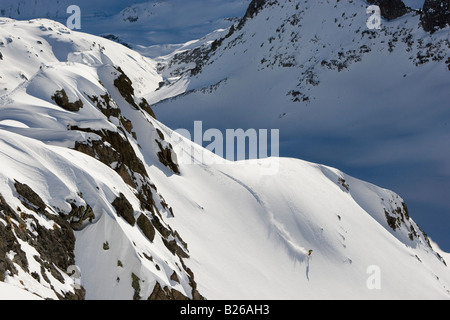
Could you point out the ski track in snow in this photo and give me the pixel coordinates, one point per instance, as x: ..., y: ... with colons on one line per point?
x: 276, y: 228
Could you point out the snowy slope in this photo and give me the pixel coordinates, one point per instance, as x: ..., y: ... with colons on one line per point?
x: 371, y: 102
x: 254, y: 245
x: 82, y: 165
x: 82, y: 159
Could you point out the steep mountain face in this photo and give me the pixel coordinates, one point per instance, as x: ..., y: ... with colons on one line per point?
x: 72, y: 169
x: 371, y: 102
x: 100, y: 200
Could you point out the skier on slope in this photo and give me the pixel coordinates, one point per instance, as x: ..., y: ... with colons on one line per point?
x: 310, y: 252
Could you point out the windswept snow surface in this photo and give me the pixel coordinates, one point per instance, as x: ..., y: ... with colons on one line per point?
x: 339, y: 123
x: 373, y: 103
x: 256, y: 241
x: 247, y: 226
x: 10, y: 292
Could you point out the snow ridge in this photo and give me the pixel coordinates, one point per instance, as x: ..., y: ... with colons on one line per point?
x: 339, y: 93
x: 88, y: 173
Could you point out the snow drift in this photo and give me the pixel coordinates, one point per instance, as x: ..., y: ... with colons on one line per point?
x: 91, y: 179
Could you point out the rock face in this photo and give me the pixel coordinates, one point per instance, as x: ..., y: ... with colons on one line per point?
x: 62, y: 100
x: 165, y: 293
x: 436, y: 15
x: 390, y: 9
x: 54, y: 247
x: 53, y: 226
x: 146, y: 226
x: 124, y: 209
x: 254, y: 7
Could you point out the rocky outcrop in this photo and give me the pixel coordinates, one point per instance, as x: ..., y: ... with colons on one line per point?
x: 390, y: 9
x: 124, y: 209
x: 114, y: 150
x: 9, y: 242
x: 167, y: 157
x: 254, y: 7
x: 125, y: 86
x: 78, y: 215
x: 54, y: 247
x: 435, y: 15
x: 62, y: 100
x: 146, y: 227
x: 165, y: 293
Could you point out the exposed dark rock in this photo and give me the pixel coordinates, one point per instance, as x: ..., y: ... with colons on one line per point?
x: 254, y: 7
x: 113, y: 148
x: 146, y: 226
x: 9, y: 243
x: 344, y: 184
x: 125, y: 151
x: 104, y: 104
x: 166, y: 294
x: 117, y: 39
x: 124, y: 209
x: 173, y: 247
x: 145, y: 197
x: 195, y: 294
x: 392, y: 221
x: 436, y: 15
x: 78, y: 215
x: 55, y: 246
x: 146, y: 107
x: 165, y: 157
x: 135, y: 283
x: 405, y: 210
x: 29, y: 197
x: 127, y: 125
x: 62, y: 100
x: 125, y: 86
x: 165, y: 233
x: 174, y: 277
x: 390, y: 9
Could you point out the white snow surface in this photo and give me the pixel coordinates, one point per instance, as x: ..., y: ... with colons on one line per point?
x: 9, y: 292
x: 371, y: 102
x: 247, y: 233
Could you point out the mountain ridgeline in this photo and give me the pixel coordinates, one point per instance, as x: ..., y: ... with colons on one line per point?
x: 95, y: 202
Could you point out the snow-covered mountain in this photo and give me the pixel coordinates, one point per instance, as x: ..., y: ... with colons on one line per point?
x: 72, y: 169
x: 371, y: 102
x: 98, y: 202
x: 154, y: 25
